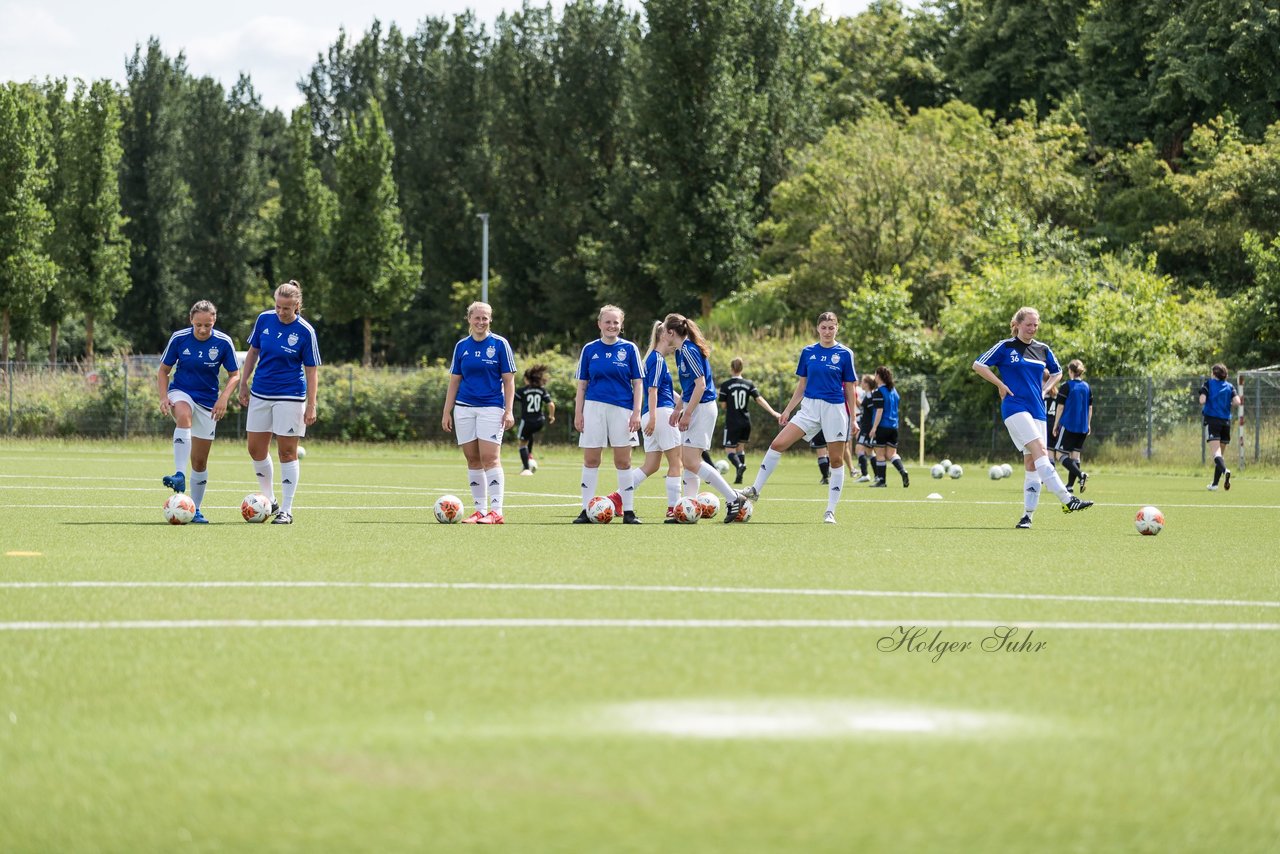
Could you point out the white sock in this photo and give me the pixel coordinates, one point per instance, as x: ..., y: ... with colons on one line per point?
x: 638, y: 477
x: 589, y: 479
x: 475, y: 479
x: 710, y: 475
x: 181, y: 448
x: 199, y: 480
x: 1049, y: 477
x: 627, y: 489
x: 1030, y: 491
x: 835, y: 488
x: 767, y: 465
x: 691, y: 483
x: 288, y: 485
x: 266, y: 474
x: 673, y: 491
x: 497, y: 485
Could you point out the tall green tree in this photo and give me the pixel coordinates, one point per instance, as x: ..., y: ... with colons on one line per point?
x: 27, y: 273
x: 305, y: 222
x: 374, y: 276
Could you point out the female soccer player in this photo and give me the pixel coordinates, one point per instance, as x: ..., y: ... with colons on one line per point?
x: 695, y: 412
x: 1217, y: 396
x: 281, y: 398
x: 606, y: 409
x: 827, y: 378
x: 199, y: 351
x: 735, y: 393
x: 865, y: 416
x: 477, y: 407
x: 884, y: 427
x: 1075, y: 416
x: 534, y: 401
x: 661, y: 437
x: 1027, y: 368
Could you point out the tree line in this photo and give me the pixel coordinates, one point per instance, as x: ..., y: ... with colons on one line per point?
x: 744, y: 161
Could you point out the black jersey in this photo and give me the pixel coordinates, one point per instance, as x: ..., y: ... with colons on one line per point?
x: 533, y: 401
x: 737, y: 392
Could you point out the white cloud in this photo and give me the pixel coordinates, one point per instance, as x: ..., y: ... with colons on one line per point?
x: 274, y: 50
x: 32, y: 27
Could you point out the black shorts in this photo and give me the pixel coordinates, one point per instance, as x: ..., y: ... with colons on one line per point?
x: 1069, y: 441
x: 818, y: 441
x: 885, y: 437
x: 1217, y: 430
x: 736, y: 433
x: 526, y: 427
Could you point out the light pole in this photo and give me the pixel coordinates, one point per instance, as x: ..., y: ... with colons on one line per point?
x: 484, y: 258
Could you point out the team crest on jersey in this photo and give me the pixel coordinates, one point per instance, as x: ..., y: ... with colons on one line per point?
x: 293, y: 339
x: 835, y: 358
x: 622, y: 355
x: 491, y: 352
x: 213, y: 352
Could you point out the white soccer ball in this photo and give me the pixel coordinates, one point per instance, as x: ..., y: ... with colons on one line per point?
x: 448, y: 509
x: 179, y: 509
x: 1149, y: 521
x: 955, y: 471
x: 995, y: 472
x: 722, y: 466
x: 686, y: 511
x: 946, y: 466
x: 600, y: 510
x: 256, y: 507
x: 302, y: 452
x: 708, y: 504
x: 937, y: 471
x: 1006, y: 469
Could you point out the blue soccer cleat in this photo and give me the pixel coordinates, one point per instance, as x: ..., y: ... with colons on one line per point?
x: 199, y: 519
x: 176, y: 481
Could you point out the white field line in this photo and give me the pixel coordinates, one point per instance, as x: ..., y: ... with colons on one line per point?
x: 628, y: 588
x: 555, y: 623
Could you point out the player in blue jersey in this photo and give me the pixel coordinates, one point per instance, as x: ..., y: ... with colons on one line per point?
x: 735, y: 393
x: 478, y: 409
x: 606, y: 409
x: 884, y: 403
x: 1075, y: 418
x: 661, y: 437
x: 281, y: 395
x: 827, y: 378
x: 1217, y: 396
x: 537, y: 409
x: 863, y: 443
x: 1027, y: 368
x: 695, y: 412
x: 201, y: 353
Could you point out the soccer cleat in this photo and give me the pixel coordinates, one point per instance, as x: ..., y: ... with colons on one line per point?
x: 829, y: 518
x: 475, y: 518
x: 824, y: 481
x: 629, y: 517
x: 199, y: 519
x: 275, y: 507
x: 526, y: 473
x: 616, y: 498
x: 1076, y: 503
x: 493, y: 517
x: 283, y: 518
x: 1226, y: 480
x: 581, y: 519
x: 1083, y: 478
x: 176, y: 481
x: 749, y: 494
x: 1212, y: 487
x: 866, y: 478
x: 880, y: 483
x: 733, y: 507
x: 1024, y: 522
x: 906, y: 480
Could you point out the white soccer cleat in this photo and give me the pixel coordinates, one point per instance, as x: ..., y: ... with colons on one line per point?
x: 829, y: 518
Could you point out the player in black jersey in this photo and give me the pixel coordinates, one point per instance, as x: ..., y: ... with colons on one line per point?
x: 866, y: 417
x: 735, y: 393
x: 537, y: 409
x: 1054, y: 398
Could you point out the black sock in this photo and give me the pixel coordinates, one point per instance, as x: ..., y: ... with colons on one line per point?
x: 1073, y: 467
x: 736, y: 459
x: 897, y: 463
x: 1218, y: 468
x: 862, y: 464
x: 706, y: 458
x: 824, y: 466
x: 524, y: 457
x: 882, y: 469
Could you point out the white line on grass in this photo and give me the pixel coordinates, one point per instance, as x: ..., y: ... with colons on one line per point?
x: 631, y: 588
x: 557, y: 623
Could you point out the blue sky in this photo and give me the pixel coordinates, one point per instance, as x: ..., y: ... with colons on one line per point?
x: 274, y: 41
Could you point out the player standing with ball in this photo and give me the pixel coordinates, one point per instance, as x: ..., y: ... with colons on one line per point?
x: 1027, y: 369
x: 478, y: 408
x: 200, y: 353
x: 281, y: 397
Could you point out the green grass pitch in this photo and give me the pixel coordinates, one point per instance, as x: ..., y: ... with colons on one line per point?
x: 370, y: 680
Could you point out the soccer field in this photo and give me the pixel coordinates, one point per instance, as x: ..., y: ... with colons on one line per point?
x: 919, y: 677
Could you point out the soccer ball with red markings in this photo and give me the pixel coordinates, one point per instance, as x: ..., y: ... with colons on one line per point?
x: 256, y: 507
x: 179, y: 509
x: 1149, y: 521
x: 600, y: 510
x: 744, y: 512
x: 448, y: 509
x: 686, y: 511
x: 708, y: 504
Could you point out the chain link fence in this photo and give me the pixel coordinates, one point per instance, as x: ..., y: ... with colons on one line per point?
x: 1134, y: 418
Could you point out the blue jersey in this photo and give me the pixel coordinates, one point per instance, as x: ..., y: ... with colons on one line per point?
x: 826, y: 370
x: 1217, y: 398
x: 481, y: 365
x: 691, y: 364
x: 283, y: 350
x: 1073, y: 413
x: 609, y: 370
x: 657, y: 375
x: 886, y: 400
x: 1022, y: 368
x: 199, y: 363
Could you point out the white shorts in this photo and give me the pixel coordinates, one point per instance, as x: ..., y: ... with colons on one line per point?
x: 665, y: 437
x: 477, y: 422
x: 605, y: 426
x: 701, y: 426
x: 282, y: 417
x: 1023, y: 430
x: 830, y: 418
x: 202, y: 424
